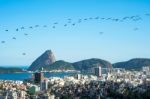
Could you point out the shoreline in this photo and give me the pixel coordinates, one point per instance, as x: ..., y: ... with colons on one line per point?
x: 21, y: 76
x: 57, y: 71
x: 52, y: 71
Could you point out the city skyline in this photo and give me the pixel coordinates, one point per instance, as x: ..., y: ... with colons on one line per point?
x: 92, y: 38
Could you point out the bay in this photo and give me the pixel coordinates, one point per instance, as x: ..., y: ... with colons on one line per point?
x: 22, y: 76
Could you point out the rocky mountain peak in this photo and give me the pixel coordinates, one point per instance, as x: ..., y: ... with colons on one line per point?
x: 47, y: 58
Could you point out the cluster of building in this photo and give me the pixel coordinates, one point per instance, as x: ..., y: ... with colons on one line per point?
x: 96, y: 86
x: 134, y: 77
x: 12, y: 89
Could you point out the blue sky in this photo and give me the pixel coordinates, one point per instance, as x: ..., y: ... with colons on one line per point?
x: 119, y: 41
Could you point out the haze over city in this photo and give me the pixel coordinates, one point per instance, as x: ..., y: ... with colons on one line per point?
x: 74, y: 30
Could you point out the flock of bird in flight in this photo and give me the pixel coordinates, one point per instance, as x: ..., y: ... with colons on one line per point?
x: 70, y: 22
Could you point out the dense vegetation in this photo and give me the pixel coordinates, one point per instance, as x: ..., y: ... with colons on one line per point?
x: 135, y: 64
x: 81, y: 65
x: 61, y: 65
x: 90, y: 63
x: 10, y: 70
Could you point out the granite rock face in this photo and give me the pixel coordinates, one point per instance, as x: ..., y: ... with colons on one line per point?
x: 47, y: 58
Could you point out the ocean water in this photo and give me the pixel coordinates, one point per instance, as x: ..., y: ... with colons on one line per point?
x: 22, y: 67
x: 22, y: 76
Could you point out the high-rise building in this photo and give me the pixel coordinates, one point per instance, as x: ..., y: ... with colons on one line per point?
x: 146, y: 68
x: 38, y: 77
x: 78, y: 76
x: 98, y: 71
x: 44, y: 85
x: 52, y: 96
x: 22, y: 94
x: 13, y: 95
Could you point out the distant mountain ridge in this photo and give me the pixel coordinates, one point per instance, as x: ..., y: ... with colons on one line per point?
x: 90, y: 63
x: 48, y: 62
x: 136, y: 63
x: 80, y: 65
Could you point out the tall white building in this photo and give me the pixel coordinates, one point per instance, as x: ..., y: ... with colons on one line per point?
x: 13, y: 95
x: 98, y: 71
x: 146, y: 68
x: 52, y: 96
x: 22, y: 94
x: 44, y: 85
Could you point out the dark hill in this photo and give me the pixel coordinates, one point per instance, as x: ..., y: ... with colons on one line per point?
x: 90, y: 63
x: 136, y: 63
x: 60, y: 65
x: 10, y: 69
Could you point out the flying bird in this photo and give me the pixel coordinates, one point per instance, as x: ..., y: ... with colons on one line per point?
x: 6, y: 30
x: 124, y: 18
x: 69, y: 19
x: 132, y: 17
x: 135, y: 29
x: 101, y: 33
x: 73, y: 24
x: 36, y: 25
x: 147, y: 14
x: 90, y: 18
x: 22, y: 28
x: 44, y: 25
x: 31, y: 27
x: 53, y: 27
x: 136, y: 18
x: 96, y: 17
x: 116, y: 20
x: 56, y: 23
x: 2, y: 41
x: 65, y: 25
x: 108, y: 18
x: 85, y: 19
x: 17, y: 29
x: 14, y: 38
x: 25, y: 34
x: 23, y: 53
